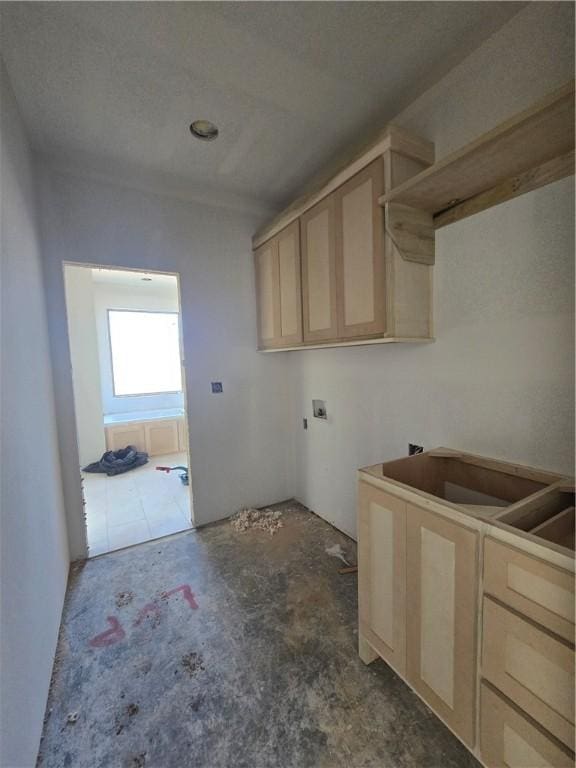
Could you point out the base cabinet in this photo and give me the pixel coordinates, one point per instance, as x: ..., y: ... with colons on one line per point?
x: 156, y: 438
x: 417, y: 593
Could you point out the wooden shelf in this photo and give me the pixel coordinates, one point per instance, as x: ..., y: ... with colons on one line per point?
x: 523, y: 153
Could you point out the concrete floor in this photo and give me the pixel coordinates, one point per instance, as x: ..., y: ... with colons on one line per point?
x: 217, y: 649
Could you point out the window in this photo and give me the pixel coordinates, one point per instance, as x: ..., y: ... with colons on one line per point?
x: 145, y: 352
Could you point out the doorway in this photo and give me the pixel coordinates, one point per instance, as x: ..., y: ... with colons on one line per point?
x: 125, y: 335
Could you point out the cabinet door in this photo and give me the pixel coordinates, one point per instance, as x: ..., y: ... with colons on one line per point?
x: 382, y: 573
x: 318, y: 240
x: 182, y: 435
x: 442, y: 584
x: 161, y: 437
x: 267, y: 294
x: 360, y: 254
x: 123, y: 435
x: 290, y: 285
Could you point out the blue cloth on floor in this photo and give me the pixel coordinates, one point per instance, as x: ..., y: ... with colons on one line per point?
x: 117, y: 462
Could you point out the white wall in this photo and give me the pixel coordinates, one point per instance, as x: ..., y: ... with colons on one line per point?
x: 33, y: 546
x: 85, y: 363
x: 149, y: 297
x: 499, y: 379
x: 240, y: 451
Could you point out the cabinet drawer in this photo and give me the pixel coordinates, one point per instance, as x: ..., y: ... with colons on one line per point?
x: 507, y: 738
x: 531, y: 586
x: 531, y: 667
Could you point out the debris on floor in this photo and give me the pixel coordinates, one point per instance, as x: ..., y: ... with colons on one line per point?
x: 337, y: 551
x: 348, y: 569
x: 72, y: 718
x: 124, y: 598
x: 264, y: 519
x: 192, y: 663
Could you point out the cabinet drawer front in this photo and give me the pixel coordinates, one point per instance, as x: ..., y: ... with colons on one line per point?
x: 442, y: 583
x: 533, y: 587
x: 533, y: 668
x: 507, y: 738
x: 382, y: 573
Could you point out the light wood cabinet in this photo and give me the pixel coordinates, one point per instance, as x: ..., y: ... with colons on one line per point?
x: 382, y: 574
x: 278, y: 289
x: 509, y: 738
x: 318, y: 244
x: 442, y: 581
x: 360, y: 254
x: 362, y: 280
x: 157, y: 437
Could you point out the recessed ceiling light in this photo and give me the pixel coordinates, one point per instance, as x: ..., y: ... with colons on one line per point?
x: 204, y: 129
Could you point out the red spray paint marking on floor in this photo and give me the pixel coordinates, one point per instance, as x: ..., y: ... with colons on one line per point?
x: 186, y: 591
x: 111, y: 636
x: 116, y: 633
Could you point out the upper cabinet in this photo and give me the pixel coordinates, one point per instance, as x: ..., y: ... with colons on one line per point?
x: 350, y: 285
x: 278, y: 290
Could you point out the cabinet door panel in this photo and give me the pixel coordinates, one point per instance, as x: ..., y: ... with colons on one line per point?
x: 442, y: 583
x: 123, y: 435
x: 161, y: 437
x: 360, y: 253
x: 319, y: 272
x: 290, y: 287
x: 267, y: 293
x: 382, y: 573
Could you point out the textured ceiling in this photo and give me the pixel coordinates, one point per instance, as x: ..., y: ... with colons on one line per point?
x: 111, y: 88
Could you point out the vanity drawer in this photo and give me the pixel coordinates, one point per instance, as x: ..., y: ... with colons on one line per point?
x: 531, y: 667
x: 508, y: 738
x: 531, y: 586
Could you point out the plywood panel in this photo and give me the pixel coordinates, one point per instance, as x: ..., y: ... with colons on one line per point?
x: 290, y: 290
x: 437, y: 630
x: 509, y: 738
x: 360, y: 254
x: 382, y: 574
x: 531, y: 667
x: 442, y: 584
x: 537, y: 589
x: 319, y: 272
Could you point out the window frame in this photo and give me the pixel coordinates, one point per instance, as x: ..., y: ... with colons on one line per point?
x: 143, y: 312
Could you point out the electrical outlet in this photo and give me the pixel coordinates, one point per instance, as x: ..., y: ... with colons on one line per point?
x: 414, y: 449
x: 319, y: 409
x: 216, y: 387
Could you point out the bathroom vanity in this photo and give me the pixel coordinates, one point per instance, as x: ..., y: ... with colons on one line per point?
x: 466, y: 589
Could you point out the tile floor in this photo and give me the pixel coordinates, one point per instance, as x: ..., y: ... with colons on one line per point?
x: 141, y: 505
